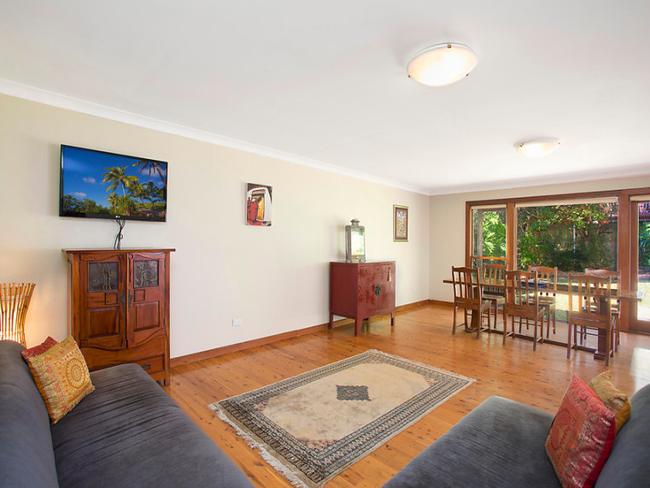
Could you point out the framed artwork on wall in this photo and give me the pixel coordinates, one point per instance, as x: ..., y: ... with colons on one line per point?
x: 400, y: 223
x: 258, y: 204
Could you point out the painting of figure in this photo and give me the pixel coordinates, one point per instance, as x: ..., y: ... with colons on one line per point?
x: 258, y: 204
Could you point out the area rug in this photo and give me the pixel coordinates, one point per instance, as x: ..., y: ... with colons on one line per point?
x: 312, y: 426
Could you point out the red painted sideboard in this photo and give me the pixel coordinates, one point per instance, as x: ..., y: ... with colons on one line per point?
x: 360, y: 290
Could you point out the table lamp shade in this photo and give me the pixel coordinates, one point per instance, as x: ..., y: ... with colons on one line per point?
x: 14, y: 302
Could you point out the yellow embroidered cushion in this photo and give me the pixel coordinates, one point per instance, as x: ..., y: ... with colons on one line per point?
x: 613, y: 398
x: 62, y: 377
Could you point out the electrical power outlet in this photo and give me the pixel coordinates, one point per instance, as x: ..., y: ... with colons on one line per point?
x: 236, y: 322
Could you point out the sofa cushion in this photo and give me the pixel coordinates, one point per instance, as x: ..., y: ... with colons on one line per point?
x: 612, y: 397
x: 628, y: 466
x: 499, y: 444
x: 62, y: 377
x: 26, y: 456
x: 581, y: 436
x: 129, y: 433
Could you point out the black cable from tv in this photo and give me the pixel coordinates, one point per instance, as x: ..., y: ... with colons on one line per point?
x: 117, y: 243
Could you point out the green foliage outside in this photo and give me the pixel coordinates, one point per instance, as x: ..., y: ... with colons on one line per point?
x: 489, y: 232
x: 571, y: 237
x: 644, y: 247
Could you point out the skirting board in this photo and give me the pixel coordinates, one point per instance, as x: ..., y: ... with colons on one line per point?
x: 220, y: 351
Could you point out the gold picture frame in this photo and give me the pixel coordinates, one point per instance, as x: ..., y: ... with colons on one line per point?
x: 400, y: 223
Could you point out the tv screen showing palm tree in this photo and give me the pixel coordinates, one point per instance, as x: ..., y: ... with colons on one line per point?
x: 106, y: 185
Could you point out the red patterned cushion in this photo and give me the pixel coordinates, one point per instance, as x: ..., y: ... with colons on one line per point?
x: 581, y: 436
x: 40, y: 349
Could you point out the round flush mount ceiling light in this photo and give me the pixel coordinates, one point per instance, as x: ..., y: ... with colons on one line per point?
x: 538, y: 148
x: 442, y: 64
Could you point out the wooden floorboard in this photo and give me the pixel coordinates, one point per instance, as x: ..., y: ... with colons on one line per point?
x: 424, y: 335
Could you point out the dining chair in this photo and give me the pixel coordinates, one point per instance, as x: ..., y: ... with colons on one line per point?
x: 547, y: 276
x: 614, y: 279
x: 468, y: 296
x: 590, y: 309
x: 522, y: 301
x: 495, y: 274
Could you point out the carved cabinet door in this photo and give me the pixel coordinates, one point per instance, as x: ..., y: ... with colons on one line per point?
x: 102, y: 296
x: 146, y: 300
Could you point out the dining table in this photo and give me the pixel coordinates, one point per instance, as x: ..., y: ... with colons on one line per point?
x: 562, y: 288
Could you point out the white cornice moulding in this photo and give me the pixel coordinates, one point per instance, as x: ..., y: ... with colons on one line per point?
x: 32, y: 93
x: 547, y: 180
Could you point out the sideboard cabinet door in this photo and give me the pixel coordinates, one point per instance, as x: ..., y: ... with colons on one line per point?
x: 102, y: 294
x: 146, y: 310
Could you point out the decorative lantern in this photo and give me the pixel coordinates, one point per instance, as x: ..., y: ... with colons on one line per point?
x: 355, y: 242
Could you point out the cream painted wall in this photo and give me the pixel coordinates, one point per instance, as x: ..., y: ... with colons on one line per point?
x: 275, y: 279
x: 448, y: 222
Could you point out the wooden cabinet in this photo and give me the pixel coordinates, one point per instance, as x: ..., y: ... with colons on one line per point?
x: 359, y: 290
x: 119, y: 307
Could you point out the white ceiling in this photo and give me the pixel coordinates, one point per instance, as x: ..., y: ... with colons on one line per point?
x: 324, y: 82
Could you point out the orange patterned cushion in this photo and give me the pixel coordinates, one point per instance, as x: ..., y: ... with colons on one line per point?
x: 612, y: 397
x: 62, y: 377
x: 40, y: 349
x: 581, y: 436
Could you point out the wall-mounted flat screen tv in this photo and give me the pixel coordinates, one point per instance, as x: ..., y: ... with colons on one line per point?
x: 105, y: 185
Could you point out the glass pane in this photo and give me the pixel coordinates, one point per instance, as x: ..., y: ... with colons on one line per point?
x: 489, y: 233
x: 102, y: 277
x: 145, y: 274
x: 571, y: 237
x: 643, y: 310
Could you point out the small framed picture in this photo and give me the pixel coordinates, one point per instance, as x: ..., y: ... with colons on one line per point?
x: 258, y: 204
x: 400, y: 223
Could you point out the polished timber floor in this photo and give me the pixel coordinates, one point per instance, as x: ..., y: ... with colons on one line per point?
x: 424, y: 335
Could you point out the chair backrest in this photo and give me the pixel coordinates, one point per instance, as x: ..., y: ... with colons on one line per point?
x: 548, y: 276
x: 522, y: 288
x: 480, y: 261
x: 590, y: 294
x: 467, y: 287
x: 493, y: 273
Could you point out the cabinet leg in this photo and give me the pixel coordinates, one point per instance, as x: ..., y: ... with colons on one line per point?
x: 392, y: 319
x: 331, y: 322
x: 358, y: 322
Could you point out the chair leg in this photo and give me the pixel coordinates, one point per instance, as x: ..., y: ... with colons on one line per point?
x: 553, y: 311
x: 505, y: 324
x: 534, y: 335
x: 568, y: 343
x: 453, y: 326
x: 608, y: 340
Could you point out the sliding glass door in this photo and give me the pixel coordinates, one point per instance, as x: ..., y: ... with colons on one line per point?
x: 641, y: 263
x: 488, y: 235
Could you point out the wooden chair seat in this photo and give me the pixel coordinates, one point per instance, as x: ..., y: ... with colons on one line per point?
x: 499, y: 299
x: 543, y: 300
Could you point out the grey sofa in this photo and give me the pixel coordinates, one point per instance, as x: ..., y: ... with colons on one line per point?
x: 127, y: 433
x: 500, y: 444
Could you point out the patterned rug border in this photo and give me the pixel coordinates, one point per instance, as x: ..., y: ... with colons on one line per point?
x: 285, y: 467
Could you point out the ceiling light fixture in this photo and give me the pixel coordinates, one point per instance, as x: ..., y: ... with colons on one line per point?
x: 442, y: 64
x: 537, y: 148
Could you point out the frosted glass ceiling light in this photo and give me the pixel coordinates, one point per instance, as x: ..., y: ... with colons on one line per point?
x: 442, y: 64
x: 537, y: 148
